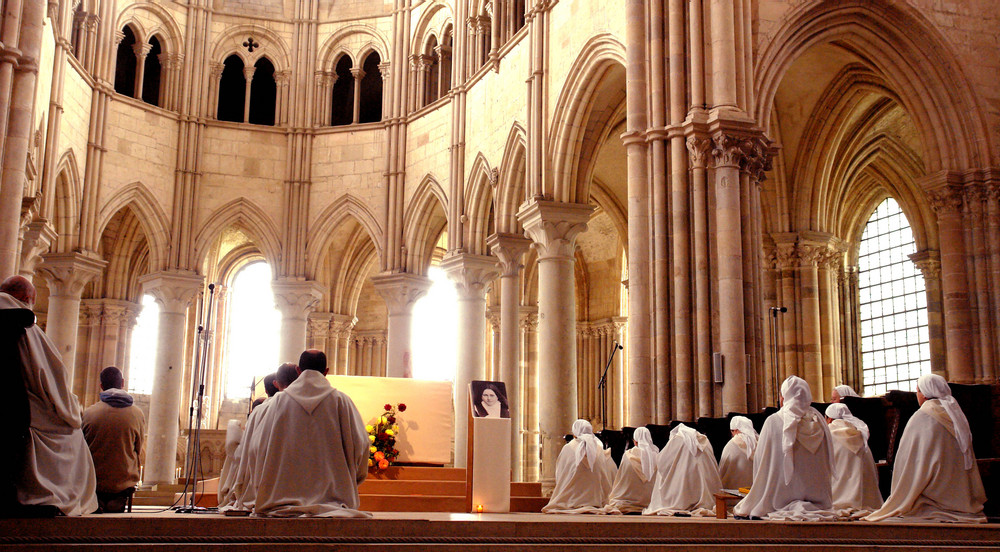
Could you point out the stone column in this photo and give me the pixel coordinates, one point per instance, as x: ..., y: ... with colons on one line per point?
x: 493, y: 351
x: 141, y: 51
x: 509, y: 249
x: 929, y: 264
x: 341, y: 326
x: 529, y: 398
x: 383, y: 70
x: 248, y: 76
x: 319, y: 337
x: 295, y: 299
x: 174, y: 291
x: 400, y: 291
x: 66, y: 274
x: 358, y: 74
x: 471, y: 274
x: 553, y: 228
x: 729, y: 269
x: 947, y: 204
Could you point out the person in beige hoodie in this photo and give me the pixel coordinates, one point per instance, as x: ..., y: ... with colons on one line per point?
x: 115, y: 430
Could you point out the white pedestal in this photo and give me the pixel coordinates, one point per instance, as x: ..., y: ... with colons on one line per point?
x: 489, y: 463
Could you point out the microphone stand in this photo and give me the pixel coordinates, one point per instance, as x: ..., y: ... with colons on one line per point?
x: 602, y: 386
x: 192, y: 463
x: 773, y: 322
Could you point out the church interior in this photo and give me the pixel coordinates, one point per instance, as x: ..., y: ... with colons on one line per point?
x: 735, y: 191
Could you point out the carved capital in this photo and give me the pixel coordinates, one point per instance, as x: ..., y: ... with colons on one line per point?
x: 730, y: 150
x: 471, y: 273
x: 341, y: 325
x: 358, y: 73
x: 528, y: 320
x: 67, y: 273
x: 296, y: 298
x: 173, y: 290
x: 401, y: 290
x: 554, y: 226
x: 493, y: 317
x: 36, y: 239
x: 698, y: 151
x: 90, y: 312
x: 319, y: 324
x: 509, y: 249
x: 928, y: 262
x: 946, y: 200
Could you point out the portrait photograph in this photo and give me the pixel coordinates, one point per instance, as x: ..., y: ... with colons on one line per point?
x: 489, y: 399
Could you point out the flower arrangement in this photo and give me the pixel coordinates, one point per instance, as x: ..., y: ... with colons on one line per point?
x: 382, y: 434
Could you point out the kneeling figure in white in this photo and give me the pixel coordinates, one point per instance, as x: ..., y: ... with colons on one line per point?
x: 634, y: 480
x: 855, y: 479
x: 687, y: 476
x: 583, y: 474
x: 935, y: 477
x: 792, y: 463
x: 736, y: 465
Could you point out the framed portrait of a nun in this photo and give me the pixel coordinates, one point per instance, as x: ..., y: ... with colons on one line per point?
x: 489, y: 399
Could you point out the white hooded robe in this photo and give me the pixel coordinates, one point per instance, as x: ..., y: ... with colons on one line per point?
x: 584, y: 471
x: 736, y: 464
x: 855, y: 478
x: 634, y: 481
x: 311, y: 452
x: 58, y: 466
x: 687, y: 476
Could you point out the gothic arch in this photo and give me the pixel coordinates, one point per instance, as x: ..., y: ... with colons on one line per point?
x: 137, y: 197
x: 358, y: 259
x: 424, y: 219
x: 231, y: 43
x: 432, y: 22
x: 125, y: 245
x: 65, y: 215
x: 605, y: 199
x: 511, y: 185
x: 338, y: 42
x: 245, y: 214
x: 593, y: 92
x: 166, y: 27
x: 346, y: 206
x: 478, y: 203
x: 911, y: 55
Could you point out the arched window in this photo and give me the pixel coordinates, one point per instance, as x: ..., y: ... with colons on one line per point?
x: 371, y: 90
x: 254, y: 327
x: 232, y: 90
x: 151, y: 73
x: 125, y: 65
x: 435, y: 316
x: 446, y: 45
x: 518, y: 15
x: 432, y: 87
x: 79, y: 28
x: 895, y: 349
x: 142, y: 350
x: 342, y: 112
x: 263, y: 93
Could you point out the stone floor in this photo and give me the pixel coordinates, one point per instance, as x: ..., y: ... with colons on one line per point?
x: 166, y: 530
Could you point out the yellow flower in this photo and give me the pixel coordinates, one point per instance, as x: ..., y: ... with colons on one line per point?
x: 388, y: 432
x: 372, y: 449
x: 371, y: 438
x: 369, y: 428
x: 395, y: 428
x: 384, y: 420
x: 370, y: 463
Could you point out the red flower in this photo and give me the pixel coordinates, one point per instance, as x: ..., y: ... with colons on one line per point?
x: 382, y: 435
x: 402, y: 407
x: 388, y: 406
x: 392, y: 419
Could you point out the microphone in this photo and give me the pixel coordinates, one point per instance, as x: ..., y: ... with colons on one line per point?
x: 619, y: 346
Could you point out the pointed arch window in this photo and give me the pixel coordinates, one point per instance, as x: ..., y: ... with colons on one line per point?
x: 253, y: 327
x: 232, y: 90
x: 125, y: 65
x: 151, y: 73
x: 895, y: 348
x: 370, y: 92
x: 342, y: 110
x: 142, y: 348
x: 263, y: 93
x: 432, y: 87
x: 137, y: 67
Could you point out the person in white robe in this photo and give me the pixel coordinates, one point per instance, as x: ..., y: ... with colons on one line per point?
x: 736, y: 464
x: 935, y: 476
x: 841, y: 391
x: 227, y: 476
x: 238, y: 491
x: 584, y: 472
x: 311, y: 450
x: 792, y: 462
x: 855, y: 477
x: 58, y: 467
x: 687, y: 476
x: 633, y: 483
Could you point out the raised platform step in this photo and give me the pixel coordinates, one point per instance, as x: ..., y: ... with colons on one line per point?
x: 421, y: 473
x: 468, y: 532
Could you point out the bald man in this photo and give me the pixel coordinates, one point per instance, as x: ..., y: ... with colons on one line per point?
x: 58, y: 470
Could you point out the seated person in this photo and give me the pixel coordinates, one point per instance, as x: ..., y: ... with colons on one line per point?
x: 687, y: 476
x: 634, y: 480
x: 58, y: 470
x: 286, y: 374
x: 736, y: 465
x: 583, y: 474
x: 312, y: 449
x: 841, y: 391
x: 855, y: 478
x: 115, y: 430
x: 793, y: 462
x: 935, y: 477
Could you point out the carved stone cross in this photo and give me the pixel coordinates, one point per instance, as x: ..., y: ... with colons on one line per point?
x: 249, y: 44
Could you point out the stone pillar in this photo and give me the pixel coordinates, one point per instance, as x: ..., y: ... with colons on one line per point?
x: 341, y: 326
x: 318, y: 337
x: 141, y: 51
x: 929, y: 264
x: 553, y: 228
x: 729, y: 269
x: 471, y: 274
x: 947, y: 204
x: 509, y: 249
x: 358, y: 74
x: 66, y: 274
x: 295, y: 299
x: 174, y: 291
x: 400, y: 291
x: 248, y: 76
x: 529, y: 398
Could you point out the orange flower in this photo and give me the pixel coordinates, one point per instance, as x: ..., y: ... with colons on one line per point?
x: 383, y: 464
x: 379, y: 456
